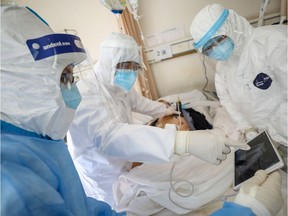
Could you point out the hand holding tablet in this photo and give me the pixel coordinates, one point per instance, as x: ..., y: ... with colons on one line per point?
x: 262, y: 155
x: 262, y: 193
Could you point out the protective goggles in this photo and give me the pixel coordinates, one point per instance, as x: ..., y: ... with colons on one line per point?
x: 129, y: 65
x: 67, y: 75
x: 216, y: 42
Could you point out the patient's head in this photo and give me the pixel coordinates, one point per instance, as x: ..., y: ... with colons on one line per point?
x: 179, y: 121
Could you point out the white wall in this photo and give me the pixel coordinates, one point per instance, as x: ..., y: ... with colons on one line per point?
x: 185, y: 73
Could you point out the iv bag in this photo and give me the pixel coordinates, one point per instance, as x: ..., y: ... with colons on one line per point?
x: 115, y: 6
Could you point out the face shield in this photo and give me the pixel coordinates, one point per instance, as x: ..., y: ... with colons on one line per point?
x: 219, y: 47
x: 63, y: 49
x: 116, y: 70
x: 219, y: 33
x: 126, y: 75
x: 117, y: 52
x: 33, y: 58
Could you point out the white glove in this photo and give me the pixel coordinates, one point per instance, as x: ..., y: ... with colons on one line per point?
x: 262, y: 193
x: 250, y: 134
x: 208, y: 145
x: 170, y: 111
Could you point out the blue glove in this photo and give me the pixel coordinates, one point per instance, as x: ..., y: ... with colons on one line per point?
x: 96, y: 207
x: 230, y: 208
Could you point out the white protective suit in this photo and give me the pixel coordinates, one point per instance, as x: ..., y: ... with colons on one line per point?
x: 102, y: 138
x: 27, y: 114
x: 243, y: 82
x: 100, y: 124
x: 38, y: 176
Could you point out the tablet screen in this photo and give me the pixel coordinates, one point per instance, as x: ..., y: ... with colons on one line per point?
x: 262, y: 155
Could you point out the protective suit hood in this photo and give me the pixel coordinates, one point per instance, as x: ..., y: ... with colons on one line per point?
x: 32, y: 60
x: 116, y: 48
x: 235, y: 26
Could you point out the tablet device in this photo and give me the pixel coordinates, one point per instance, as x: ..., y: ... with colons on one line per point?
x: 262, y: 155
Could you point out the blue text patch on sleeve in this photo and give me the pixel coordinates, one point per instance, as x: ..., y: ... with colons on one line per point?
x: 54, y: 44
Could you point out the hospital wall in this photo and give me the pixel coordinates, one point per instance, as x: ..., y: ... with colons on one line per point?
x: 93, y: 22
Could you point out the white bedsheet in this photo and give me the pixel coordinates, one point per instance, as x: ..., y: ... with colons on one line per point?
x: 152, y: 180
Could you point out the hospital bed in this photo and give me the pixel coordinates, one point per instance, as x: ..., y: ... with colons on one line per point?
x: 188, y: 185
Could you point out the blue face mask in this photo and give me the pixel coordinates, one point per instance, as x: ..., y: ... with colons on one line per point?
x: 125, y: 79
x: 72, y: 96
x: 219, y: 48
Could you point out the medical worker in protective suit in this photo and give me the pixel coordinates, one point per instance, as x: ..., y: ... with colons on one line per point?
x: 37, y: 173
x: 102, y: 139
x: 251, y: 69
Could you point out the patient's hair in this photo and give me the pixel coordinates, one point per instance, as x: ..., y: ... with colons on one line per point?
x: 190, y: 120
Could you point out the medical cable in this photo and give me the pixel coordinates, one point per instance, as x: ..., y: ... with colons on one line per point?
x: 178, y: 193
x: 177, y: 182
x: 207, y: 94
x: 205, y: 73
x: 222, y: 198
x: 180, y: 121
x: 190, y: 193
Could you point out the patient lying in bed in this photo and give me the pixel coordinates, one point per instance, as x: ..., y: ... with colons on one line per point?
x: 191, y: 120
x: 187, y: 186
x: 147, y: 189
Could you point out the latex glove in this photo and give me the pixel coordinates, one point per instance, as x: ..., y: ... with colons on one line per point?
x: 170, y: 111
x: 250, y: 134
x: 208, y: 145
x: 262, y: 193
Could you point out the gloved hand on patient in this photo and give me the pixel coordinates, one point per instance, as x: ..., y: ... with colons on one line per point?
x: 260, y: 195
x: 208, y: 145
x: 169, y: 109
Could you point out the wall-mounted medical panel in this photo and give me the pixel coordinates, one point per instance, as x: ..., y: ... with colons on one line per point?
x: 179, y: 48
x: 170, y: 50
